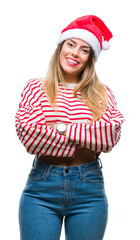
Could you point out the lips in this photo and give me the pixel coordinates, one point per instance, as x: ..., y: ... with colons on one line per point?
x: 72, y: 62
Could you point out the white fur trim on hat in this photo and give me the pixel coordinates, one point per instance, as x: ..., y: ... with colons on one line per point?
x: 84, y: 35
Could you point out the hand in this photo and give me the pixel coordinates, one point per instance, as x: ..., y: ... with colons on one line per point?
x: 64, y: 134
x: 55, y: 125
x: 50, y: 125
x: 79, y: 147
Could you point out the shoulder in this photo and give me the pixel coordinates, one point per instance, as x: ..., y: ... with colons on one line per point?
x: 32, y: 90
x: 34, y: 83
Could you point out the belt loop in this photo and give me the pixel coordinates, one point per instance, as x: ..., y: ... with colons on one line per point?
x: 100, y: 162
x: 48, y: 171
x: 80, y: 172
x: 33, y: 161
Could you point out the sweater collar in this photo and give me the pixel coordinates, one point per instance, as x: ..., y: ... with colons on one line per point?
x: 68, y: 85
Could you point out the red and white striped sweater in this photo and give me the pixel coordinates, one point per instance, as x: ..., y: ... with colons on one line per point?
x: 35, y: 113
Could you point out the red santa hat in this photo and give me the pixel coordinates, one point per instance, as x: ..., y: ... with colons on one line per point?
x: 92, y: 30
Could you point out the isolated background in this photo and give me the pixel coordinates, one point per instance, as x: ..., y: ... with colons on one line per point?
x: 29, y: 32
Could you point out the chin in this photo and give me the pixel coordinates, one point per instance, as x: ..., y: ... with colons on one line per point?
x: 69, y: 71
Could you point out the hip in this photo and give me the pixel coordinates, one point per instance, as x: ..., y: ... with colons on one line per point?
x: 65, y: 190
x: 48, y: 181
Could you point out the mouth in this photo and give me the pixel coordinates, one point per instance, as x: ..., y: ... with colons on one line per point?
x: 72, y: 62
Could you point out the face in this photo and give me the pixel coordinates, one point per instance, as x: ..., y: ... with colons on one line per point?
x: 73, y: 57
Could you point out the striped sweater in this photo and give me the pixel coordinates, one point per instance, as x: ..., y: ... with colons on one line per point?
x: 35, y: 112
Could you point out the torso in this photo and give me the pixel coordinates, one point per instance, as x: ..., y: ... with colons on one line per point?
x: 83, y: 155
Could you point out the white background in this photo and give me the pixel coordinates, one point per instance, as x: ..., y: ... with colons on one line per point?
x: 29, y: 32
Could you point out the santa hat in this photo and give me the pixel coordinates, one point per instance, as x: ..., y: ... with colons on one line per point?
x: 92, y: 30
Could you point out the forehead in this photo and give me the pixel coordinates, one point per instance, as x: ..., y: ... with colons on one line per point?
x: 79, y: 41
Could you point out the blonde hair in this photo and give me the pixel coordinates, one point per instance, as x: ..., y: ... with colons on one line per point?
x: 93, y: 92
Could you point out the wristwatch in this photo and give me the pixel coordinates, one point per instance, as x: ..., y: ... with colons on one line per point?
x: 61, y: 128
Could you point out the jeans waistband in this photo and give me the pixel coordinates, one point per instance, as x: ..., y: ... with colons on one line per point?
x: 72, y: 170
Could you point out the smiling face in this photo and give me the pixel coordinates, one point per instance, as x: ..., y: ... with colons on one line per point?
x: 73, y: 58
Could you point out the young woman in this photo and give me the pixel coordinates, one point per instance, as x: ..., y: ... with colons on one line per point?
x: 67, y: 120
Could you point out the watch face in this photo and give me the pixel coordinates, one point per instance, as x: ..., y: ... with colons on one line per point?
x: 61, y: 127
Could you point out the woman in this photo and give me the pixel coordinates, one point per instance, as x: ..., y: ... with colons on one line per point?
x: 67, y: 120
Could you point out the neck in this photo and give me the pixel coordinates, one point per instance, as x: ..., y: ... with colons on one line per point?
x: 69, y: 78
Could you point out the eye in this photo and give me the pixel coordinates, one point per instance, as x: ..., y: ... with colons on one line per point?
x: 85, y: 51
x: 70, y: 44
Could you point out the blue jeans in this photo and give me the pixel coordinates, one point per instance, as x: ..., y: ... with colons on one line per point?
x: 53, y: 193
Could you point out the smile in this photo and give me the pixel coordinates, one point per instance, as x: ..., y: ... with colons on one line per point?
x: 72, y: 62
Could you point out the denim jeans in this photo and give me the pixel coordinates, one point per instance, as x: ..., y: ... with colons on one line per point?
x: 55, y: 193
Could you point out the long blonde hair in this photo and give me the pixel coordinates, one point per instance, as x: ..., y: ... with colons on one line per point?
x: 93, y: 92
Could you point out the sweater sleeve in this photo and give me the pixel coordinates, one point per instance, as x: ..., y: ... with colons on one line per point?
x: 101, y: 135
x: 31, y: 128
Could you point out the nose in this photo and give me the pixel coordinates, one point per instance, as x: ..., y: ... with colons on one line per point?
x: 75, y: 52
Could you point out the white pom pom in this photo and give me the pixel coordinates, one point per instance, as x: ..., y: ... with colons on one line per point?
x: 105, y: 45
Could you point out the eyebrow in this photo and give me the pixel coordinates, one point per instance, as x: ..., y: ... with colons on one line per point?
x: 75, y: 43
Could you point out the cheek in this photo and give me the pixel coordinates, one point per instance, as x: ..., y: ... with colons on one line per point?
x: 84, y: 61
x: 62, y: 55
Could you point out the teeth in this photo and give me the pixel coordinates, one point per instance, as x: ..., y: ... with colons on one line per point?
x: 70, y: 60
